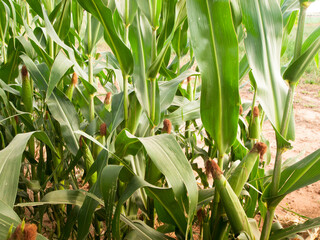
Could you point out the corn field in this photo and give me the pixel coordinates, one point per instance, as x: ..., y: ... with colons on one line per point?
x: 108, y: 106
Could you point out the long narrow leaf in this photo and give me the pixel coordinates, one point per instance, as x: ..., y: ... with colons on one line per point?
x: 263, y: 22
x: 216, y: 49
x: 10, y: 162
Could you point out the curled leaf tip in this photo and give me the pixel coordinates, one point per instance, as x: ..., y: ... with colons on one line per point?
x: 261, y: 148
x: 24, y: 72
x: 103, y: 129
x: 256, y: 111
x: 107, y: 100
x: 74, y: 78
x: 167, y: 126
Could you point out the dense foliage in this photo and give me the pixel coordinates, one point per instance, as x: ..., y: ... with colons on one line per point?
x: 107, y: 107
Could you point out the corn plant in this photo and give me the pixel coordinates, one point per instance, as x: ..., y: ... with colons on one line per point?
x: 98, y: 133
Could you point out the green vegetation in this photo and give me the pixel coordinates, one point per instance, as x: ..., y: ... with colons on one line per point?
x: 103, y: 142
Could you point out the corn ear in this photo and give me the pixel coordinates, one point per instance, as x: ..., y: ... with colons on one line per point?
x: 73, y: 83
x: 234, y: 210
x: 101, y: 139
x: 26, y: 90
x: 108, y: 101
x: 243, y: 170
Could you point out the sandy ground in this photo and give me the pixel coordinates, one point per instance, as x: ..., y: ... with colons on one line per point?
x: 305, y: 201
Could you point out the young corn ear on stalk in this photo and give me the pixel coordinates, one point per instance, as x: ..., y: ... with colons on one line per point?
x: 189, y: 89
x: 72, y: 85
x: 254, y: 128
x: 26, y: 90
x: 241, y: 174
x: 108, y: 101
x: 88, y: 159
x: 101, y: 138
x: 234, y: 210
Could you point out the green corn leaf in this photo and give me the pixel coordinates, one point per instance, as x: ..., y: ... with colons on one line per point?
x: 127, y: 10
x: 10, y: 162
x: 90, y: 204
x: 62, y: 24
x: 181, y: 15
x: 77, y: 16
x: 71, y: 221
x: 139, y: 34
x: 298, y: 175
x: 37, y: 46
x: 108, y: 188
x: 167, y: 156
x: 189, y: 111
x: 168, y: 89
x: 152, y: 10
x: 263, y: 22
x: 10, y: 70
x: 104, y: 15
x: 143, y: 231
x: 59, y: 68
x: 36, y: 6
x: 96, y: 34
x: 164, y: 196
x: 216, y: 49
x: 309, y: 50
x: 4, y: 17
x: 8, y: 217
x: 287, y: 232
x: 54, y: 36
x: 72, y: 197
x: 59, y: 105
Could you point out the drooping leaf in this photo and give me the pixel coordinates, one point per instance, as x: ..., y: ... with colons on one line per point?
x: 216, y: 49
x: 8, y: 217
x: 189, y: 111
x: 164, y: 196
x: 10, y: 162
x: 168, y: 89
x: 167, y: 156
x: 302, y: 173
x: 287, y: 232
x: 73, y: 197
